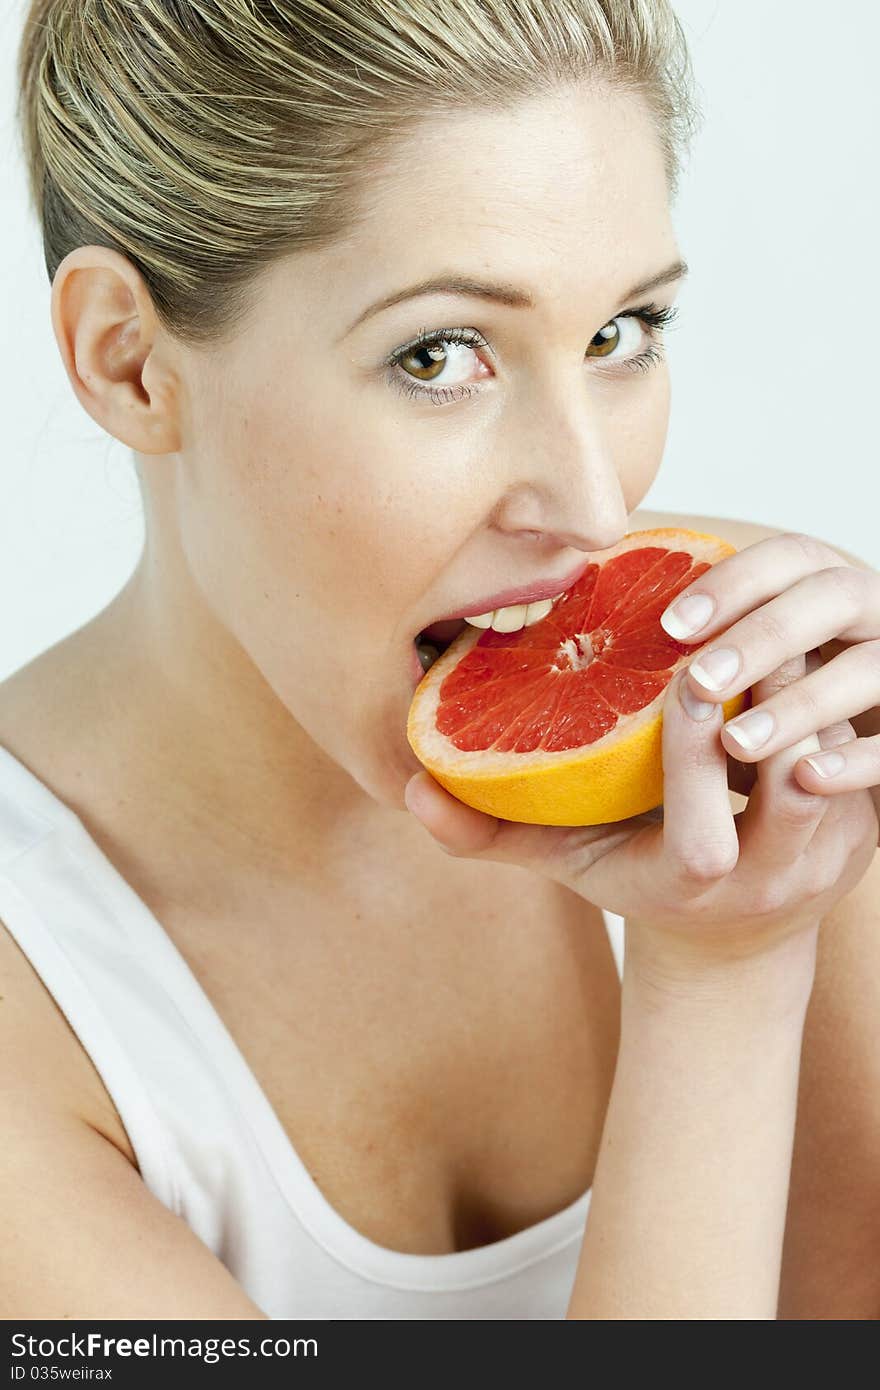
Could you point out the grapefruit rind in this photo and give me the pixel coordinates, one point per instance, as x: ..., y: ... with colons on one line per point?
x: 617, y: 776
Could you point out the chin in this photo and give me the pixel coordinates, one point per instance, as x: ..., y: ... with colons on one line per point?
x: 384, y: 770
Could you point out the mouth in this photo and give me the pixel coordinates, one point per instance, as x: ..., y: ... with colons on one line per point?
x: 429, y: 645
x: 505, y: 612
x: 437, y: 637
x: 443, y: 633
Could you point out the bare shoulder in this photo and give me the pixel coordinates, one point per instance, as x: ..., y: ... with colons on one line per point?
x: 37, y: 1044
x: 40, y: 1052
x: 114, y: 1251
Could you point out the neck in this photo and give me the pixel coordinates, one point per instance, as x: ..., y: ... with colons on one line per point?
x: 158, y: 713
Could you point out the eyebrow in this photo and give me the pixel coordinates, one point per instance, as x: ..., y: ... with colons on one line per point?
x: 449, y: 282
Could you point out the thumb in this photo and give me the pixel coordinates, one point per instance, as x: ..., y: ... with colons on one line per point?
x: 558, y: 852
x: 457, y: 828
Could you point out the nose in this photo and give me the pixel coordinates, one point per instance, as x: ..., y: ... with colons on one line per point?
x: 564, y: 486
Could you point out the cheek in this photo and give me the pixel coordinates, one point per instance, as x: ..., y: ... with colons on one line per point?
x: 640, y: 435
x: 313, y: 504
x: 362, y: 492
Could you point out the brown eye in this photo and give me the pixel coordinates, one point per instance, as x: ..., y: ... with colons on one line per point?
x: 605, y: 341
x: 434, y: 360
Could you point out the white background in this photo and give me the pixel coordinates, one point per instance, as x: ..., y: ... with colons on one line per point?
x: 774, y: 358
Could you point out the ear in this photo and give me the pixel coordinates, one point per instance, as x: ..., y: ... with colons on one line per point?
x: 113, y: 350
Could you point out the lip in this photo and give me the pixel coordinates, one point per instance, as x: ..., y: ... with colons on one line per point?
x: 542, y: 588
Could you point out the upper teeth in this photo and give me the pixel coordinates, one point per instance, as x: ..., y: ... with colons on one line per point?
x: 513, y: 618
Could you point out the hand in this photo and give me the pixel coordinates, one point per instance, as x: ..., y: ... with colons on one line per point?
x: 712, y: 886
x: 778, y: 598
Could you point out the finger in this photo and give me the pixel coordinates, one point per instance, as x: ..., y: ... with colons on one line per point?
x: 845, y: 765
x: 754, y: 576
x: 846, y: 686
x: 742, y: 776
x: 561, y: 853
x: 781, y: 817
x: 455, y: 826
x: 830, y: 604
x: 699, y: 832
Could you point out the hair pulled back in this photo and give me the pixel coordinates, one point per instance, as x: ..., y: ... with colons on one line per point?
x: 206, y: 139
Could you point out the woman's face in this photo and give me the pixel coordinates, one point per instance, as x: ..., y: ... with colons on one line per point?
x: 328, y: 507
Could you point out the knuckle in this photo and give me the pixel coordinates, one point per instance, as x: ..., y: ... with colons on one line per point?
x: 707, y: 863
x: 818, y: 874
x: 798, y: 811
x: 815, y: 551
x: 771, y: 895
x: 804, y: 696
x: 772, y: 627
x: 850, y: 584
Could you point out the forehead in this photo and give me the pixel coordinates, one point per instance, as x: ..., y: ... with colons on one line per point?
x: 576, y: 173
x: 565, y: 194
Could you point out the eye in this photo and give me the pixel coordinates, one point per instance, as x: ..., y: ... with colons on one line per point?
x: 428, y: 358
x: 625, y: 329
x: 648, y: 322
x: 443, y: 355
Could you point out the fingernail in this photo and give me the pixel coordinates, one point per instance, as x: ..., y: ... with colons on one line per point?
x: 752, y: 729
x: 687, y: 615
x: 697, y: 709
x: 716, y: 669
x: 827, y: 764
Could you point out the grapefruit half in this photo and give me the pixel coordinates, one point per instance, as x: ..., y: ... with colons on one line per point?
x: 560, y: 723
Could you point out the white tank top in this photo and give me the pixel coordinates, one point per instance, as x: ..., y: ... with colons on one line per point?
x: 208, y: 1143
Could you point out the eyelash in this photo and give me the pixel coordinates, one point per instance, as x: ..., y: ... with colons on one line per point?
x: 655, y: 320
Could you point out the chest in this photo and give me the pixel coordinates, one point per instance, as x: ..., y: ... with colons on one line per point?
x: 443, y: 1076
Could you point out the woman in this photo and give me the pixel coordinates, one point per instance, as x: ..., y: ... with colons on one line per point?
x: 302, y: 1058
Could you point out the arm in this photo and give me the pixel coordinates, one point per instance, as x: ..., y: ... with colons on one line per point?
x: 84, y: 1238
x: 831, y: 1253
x: 687, y: 1213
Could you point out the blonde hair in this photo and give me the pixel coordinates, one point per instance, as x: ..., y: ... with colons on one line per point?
x: 206, y: 139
